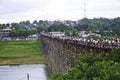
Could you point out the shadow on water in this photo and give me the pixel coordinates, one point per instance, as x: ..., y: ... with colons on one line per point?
x: 20, y: 72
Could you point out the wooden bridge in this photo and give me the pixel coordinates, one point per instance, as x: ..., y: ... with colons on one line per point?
x: 61, y: 52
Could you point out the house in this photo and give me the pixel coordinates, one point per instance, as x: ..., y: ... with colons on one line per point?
x: 85, y: 34
x: 5, y: 32
x: 32, y: 37
x: 94, y: 34
x: 57, y: 33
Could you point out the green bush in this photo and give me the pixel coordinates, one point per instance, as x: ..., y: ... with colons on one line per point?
x: 104, y: 66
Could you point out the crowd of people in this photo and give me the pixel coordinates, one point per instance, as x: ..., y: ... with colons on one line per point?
x: 98, y: 43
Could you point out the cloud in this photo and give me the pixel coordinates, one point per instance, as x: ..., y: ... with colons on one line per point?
x: 19, y: 6
x: 18, y: 10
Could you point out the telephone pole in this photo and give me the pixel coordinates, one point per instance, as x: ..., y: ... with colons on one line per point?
x: 84, y: 10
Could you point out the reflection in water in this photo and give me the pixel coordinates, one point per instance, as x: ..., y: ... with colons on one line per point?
x: 36, y: 72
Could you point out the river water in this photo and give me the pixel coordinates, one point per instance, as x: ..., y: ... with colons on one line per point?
x: 21, y: 72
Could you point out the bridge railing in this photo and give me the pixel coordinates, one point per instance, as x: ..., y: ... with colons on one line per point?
x: 96, y: 43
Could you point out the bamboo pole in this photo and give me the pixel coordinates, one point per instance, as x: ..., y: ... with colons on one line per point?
x: 27, y: 76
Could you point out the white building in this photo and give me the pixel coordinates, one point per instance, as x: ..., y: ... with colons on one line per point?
x: 57, y: 33
x: 5, y: 32
x: 94, y: 34
x: 86, y: 34
x: 83, y: 34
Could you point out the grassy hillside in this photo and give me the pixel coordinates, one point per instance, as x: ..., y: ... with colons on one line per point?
x: 20, y: 52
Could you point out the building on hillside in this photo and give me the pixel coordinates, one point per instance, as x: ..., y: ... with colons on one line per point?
x: 32, y: 37
x: 94, y: 34
x: 83, y: 34
x: 5, y: 32
x: 57, y: 33
x: 86, y: 34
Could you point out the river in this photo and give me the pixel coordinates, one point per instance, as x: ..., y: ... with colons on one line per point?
x: 22, y: 72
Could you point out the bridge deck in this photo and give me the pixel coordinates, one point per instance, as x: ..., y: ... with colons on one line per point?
x: 103, y: 44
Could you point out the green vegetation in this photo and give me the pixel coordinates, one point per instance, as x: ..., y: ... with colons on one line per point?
x: 20, y: 32
x: 21, y: 52
x: 103, y: 26
x: 104, y: 66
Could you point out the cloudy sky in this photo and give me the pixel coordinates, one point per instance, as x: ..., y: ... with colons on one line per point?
x: 22, y: 10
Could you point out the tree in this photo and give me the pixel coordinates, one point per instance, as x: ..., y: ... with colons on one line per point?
x: 2, y: 26
x: 82, y: 24
x: 14, y: 33
x: 103, y: 66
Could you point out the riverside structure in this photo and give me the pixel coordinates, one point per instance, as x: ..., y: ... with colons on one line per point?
x: 61, y: 51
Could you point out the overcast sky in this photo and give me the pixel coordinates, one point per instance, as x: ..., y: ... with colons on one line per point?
x: 22, y: 10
